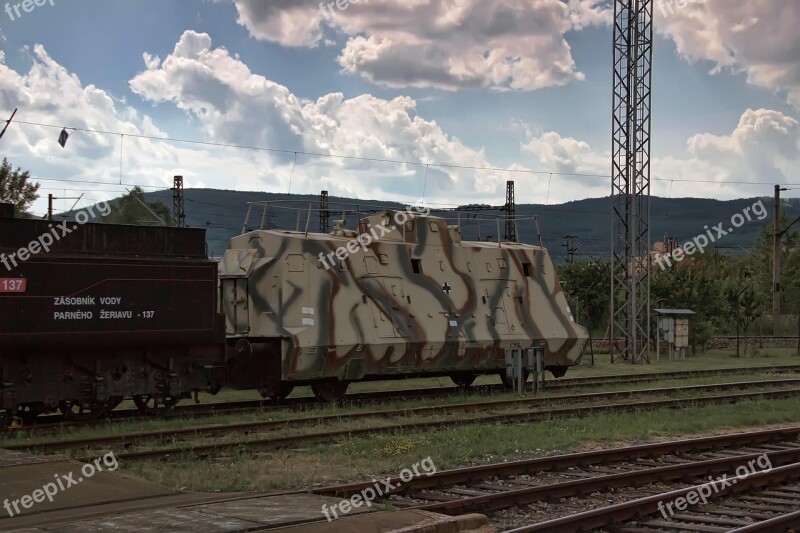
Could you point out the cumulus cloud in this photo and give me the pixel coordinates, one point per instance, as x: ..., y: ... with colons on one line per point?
x: 444, y: 44
x: 288, y: 22
x: 764, y: 146
x: 567, y: 155
x: 46, y: 91
x: 757, y: 37
x: 236, y: 106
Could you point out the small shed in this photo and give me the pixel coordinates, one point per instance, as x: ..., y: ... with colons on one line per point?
x: 673, y: 328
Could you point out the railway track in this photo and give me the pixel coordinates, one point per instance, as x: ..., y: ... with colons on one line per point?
x: 765, y: 501
x: 46, y: 422
x: 680, y: 465
x: 518, y: 410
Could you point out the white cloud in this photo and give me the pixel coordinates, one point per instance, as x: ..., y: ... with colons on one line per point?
x: 444, y: 44
x: 236, y: 106
x: 288, y: 22
x: 565, y: 154
x: 757, y: 37
x: 765, y: 146
x: 48, y: 93
x: 233, y: 106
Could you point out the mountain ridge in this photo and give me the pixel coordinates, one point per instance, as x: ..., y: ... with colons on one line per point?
x: 222, y: 213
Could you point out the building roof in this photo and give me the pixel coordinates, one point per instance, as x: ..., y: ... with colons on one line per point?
x: 675, y: 312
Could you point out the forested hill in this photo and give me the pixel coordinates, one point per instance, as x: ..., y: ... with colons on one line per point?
x: 222, y: 213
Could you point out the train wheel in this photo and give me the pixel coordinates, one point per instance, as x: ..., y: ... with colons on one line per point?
x: 6, y: 420
x: 329, y: 389
x: 148, y: 405
x: 508, y: 383
x: 74, y: 411
x: 277, y: 393
x: 463, y: 379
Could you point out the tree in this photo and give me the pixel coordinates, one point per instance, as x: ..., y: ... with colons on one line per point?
x: 586, y: 286
x: 692, y: 284
x: 16, y: 189
x: 743, y: 304
x: 129, y: 210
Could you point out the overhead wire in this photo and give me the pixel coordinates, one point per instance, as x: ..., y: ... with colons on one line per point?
x: 378, y: 159
x: 295, y: 153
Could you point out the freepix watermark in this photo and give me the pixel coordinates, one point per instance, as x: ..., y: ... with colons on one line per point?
x: 341, y: 5
x: 381, y: 488
x: 62, y: 482
x: 56, y: 233
x: 668, y: 7
x: 712, y: 235
x: 26, y: 6
x: 703, y: 492
x: 368, y: 237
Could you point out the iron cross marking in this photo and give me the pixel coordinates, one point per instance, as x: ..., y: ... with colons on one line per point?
x: 447, y: 288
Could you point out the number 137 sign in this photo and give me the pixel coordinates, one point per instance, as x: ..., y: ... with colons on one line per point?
x: 13, y: 285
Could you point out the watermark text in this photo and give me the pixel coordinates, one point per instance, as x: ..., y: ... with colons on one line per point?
x: 341, y: 5
x: 56, y: 233
x: 703, y: 492
x: 380, y: 488
x: 26, y: 6
x: 368, y: 237
x: 712, y: 235
x: 61, y: 483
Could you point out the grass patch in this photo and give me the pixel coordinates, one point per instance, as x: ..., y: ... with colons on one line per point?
x: 709, y: 360
x: 351, y: 459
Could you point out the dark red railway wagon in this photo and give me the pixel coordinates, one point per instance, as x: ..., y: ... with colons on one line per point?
x: 105, y: 285
x: 104, y: 312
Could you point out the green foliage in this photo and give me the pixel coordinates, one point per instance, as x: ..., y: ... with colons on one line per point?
x: 732, y: 295
x: 129, y: 210
x: 742, y: 302
x: 700, y: 333
x: 586, y: 285
x: 15, y: 188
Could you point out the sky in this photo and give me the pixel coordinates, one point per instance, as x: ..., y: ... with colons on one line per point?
x: 405, y: 100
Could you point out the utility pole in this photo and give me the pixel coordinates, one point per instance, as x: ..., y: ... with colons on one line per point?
x: 776, y: 262
x: 778, y: 233
x: 670, y: 243
x: 178, y: 211
x: 571, y: 248
x: 51, y: 198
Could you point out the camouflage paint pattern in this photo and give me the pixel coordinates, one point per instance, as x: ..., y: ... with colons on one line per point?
x: 417, y: 300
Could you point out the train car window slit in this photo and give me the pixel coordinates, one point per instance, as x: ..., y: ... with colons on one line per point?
x: 527, y: 269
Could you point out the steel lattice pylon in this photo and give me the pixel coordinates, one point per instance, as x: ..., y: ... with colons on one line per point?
x: 178, y: 212
x: 630, y: 188
x: 324, y: 213
x: 511, y: 213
